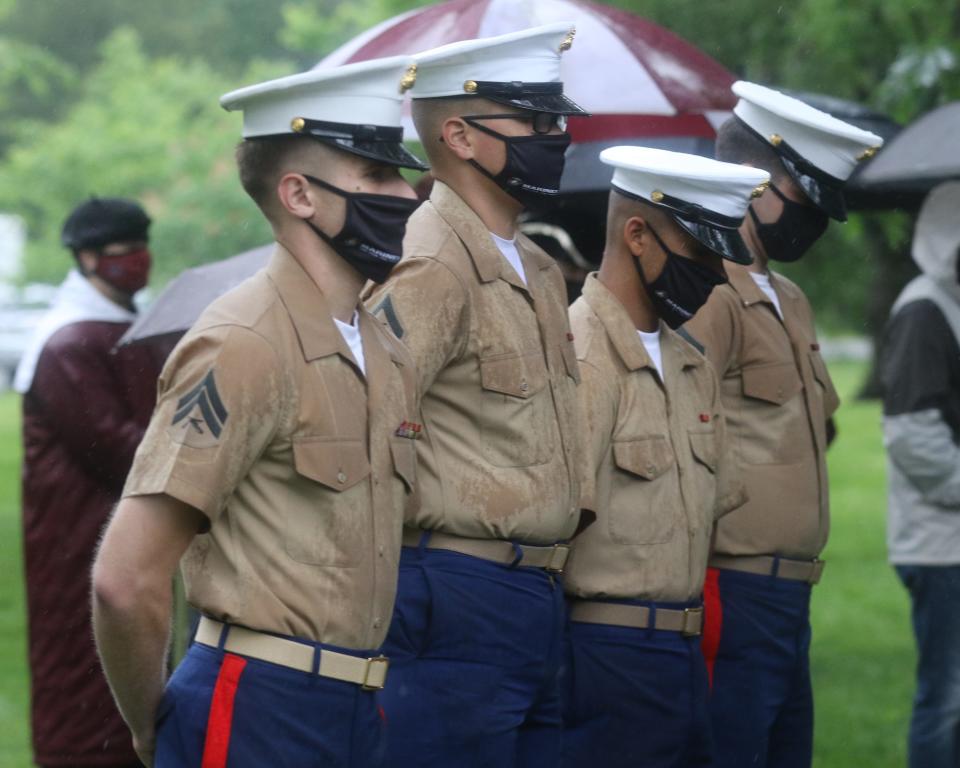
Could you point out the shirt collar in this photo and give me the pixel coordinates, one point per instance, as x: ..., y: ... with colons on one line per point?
x: 489, y: 262
x: 623, y: 334
x: 307, y: 307
x: 751, y: 293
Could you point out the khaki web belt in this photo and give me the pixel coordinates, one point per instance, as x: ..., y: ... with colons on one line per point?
x: 688, y: 622
x: 369, y: 673
x: 809, y: 571
x: 549, y: 558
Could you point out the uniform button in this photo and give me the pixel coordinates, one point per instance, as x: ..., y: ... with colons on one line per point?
x: 341, y: 477
x: 780, y: 392
x: 380, y: 550
x: 651, y: 468
x: 524, y: 386
x: 377, y: 623
x: 376, y: 479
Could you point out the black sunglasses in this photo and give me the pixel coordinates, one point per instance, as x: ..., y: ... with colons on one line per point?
x: 542, y: 122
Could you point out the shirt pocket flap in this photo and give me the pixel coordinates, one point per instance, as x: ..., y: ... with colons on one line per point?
x: 518, y: 376
x: 404, y: 453
x: 334, y: 462
x: 703, y: 445
x: 647, y: 458
x: 775, y: 383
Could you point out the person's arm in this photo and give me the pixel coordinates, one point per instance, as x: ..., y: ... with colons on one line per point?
x: 425, y: 305
x: 715, y: 329
x: 917, y: 348
x: 132, y: 577
x: 731, y: 492
x: 81, y: 397
x: 599, y: 402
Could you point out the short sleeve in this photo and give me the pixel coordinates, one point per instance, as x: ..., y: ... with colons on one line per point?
x: 731, y: 491
x: 597, y: 415
x: 715, y: 328
x: 220, y: 398
x: 424, y: 304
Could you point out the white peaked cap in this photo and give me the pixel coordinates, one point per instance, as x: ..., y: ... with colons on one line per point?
x: 706, y: 197
x: 832, y: 145
x: 356, y: 98
x: 828, y: 149
x: 514, y: 68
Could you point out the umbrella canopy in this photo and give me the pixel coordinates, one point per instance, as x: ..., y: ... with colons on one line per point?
x: 921, y: 156
x: 178, y: 306
x: 640, y: 82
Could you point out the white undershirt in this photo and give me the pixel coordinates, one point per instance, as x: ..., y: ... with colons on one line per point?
x: 763, y: 283
x: 651, y: 342
x: 509, y: 250
x: 351, y: 334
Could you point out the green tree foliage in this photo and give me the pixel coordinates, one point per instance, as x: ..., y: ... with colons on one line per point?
x: 147, y: 128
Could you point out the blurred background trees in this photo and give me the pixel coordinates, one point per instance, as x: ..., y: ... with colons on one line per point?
x: 112, y: 97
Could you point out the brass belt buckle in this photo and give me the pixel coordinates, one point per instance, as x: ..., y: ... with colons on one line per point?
x: 558, y: 558
x: 366, y: 685
x: 688, y: 628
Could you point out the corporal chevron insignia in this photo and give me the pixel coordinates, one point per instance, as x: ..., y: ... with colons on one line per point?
x: 387, y: 312
x: 200, y: 415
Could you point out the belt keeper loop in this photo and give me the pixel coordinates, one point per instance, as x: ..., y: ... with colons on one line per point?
x: 775, y: 571
x: 315, y: 666
x: 422, y: 545
x: 651, y: 619
x: 518, y: 554
x: 222, y: 640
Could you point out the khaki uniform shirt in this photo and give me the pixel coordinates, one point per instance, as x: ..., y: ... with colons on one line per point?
x: 497, y: 375
x: 777, y: 396
x: 657, y: 470
x: 265, y: 424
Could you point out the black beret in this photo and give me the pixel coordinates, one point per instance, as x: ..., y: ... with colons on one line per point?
x: 102, y: 220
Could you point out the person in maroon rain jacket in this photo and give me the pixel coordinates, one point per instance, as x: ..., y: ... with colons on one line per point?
x: 86, y: 404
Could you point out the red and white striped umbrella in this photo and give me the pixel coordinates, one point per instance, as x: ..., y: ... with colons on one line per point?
x: 641, y: 83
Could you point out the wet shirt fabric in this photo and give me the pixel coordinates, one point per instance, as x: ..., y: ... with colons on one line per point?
x: 498, y: 374
x: 657, y: 468
x: 84, y: 412
x: 300, y: 464
x: 777, y: 397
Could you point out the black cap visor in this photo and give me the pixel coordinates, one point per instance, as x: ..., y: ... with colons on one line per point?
x: 725, y: 242
x: 538, y: 97
x: 715, y: 231
x: 377, y: 142
x: 825, y: 192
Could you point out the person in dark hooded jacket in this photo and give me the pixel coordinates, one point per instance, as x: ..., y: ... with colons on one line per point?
x: 86, y: 404
x: 920, y: 371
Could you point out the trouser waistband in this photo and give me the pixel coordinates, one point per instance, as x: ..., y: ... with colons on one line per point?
x: 688, y: 621
x: 369, y: 673
x: 809, y: 571
x: 550, y: 558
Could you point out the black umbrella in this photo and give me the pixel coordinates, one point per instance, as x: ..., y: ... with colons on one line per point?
x: 189, y: 293
x: 921, y: 156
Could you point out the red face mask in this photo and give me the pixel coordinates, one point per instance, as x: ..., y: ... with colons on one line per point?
x: 127, y: 272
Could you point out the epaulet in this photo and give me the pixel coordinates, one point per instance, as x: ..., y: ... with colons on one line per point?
x: 686, y: 336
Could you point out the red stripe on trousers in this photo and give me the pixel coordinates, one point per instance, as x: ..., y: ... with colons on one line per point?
x: 221, y: 712
x: 712, y: 620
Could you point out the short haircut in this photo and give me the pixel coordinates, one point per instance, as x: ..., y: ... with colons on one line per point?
x: 429, y: 116
x: 263, y: 160
x: 736, y: 143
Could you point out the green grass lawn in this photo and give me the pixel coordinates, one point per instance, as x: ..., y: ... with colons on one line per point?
x: 862, y: 653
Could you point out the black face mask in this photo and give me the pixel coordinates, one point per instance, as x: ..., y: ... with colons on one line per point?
x: 790, y: 236
x: 682, y: 287
x: 534, y: 164
x: 371, y: 238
